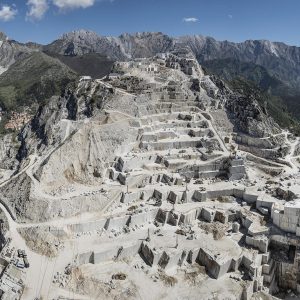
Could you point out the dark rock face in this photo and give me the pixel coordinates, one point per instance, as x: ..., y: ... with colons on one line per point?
x: 42, y: 132
x: 72, y: 107
x: 8, y: 151
x: 17, y: 189
x: 39, y: 133
x: 70, y: 50
x: 249, y: 117
x: 285, y: 195
x: 23, y: 151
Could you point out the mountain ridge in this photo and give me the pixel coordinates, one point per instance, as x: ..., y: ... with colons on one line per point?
x: 280, y: 59
x: 273, y: 66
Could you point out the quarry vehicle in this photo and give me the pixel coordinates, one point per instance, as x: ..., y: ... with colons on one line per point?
x: 26, y: 263
x: 20, y: 265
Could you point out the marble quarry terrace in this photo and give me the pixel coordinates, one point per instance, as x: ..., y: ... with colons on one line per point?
x: 156, y: 182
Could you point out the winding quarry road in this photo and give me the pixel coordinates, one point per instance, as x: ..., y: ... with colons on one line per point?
x: 38, y: 264
x: 291, y: 155
x: 39, y: 275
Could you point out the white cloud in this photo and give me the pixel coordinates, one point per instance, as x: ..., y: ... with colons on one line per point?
x: 230, y: 16
x: 190, y: 20
x: 71, y: 4
x: 37, y: 9
x: 7, y: 13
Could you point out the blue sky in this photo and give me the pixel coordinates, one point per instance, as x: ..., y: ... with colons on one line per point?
x: 235, y: 20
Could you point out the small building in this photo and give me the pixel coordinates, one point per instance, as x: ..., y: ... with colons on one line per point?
x: 151, y: 68
x: 11, y: 283
x: 85, y: 78
x: 113, y: 76
x: 227, y: 140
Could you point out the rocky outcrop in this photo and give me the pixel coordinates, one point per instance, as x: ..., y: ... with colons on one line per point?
x: 249, y: 117
x: 285, y: 194
x: 15, y: 195
x: 53, y: 122
x: 8, y: 151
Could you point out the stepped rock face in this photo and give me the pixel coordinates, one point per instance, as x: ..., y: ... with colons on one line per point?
x: 159, y: 165
x: 77, y: 137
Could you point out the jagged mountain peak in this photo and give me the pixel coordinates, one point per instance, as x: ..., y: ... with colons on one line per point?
x: 143, y: 34
x: 81, y: 33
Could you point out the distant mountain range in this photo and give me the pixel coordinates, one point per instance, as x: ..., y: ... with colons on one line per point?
x: 281, y: 61
x: 273, y: 67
